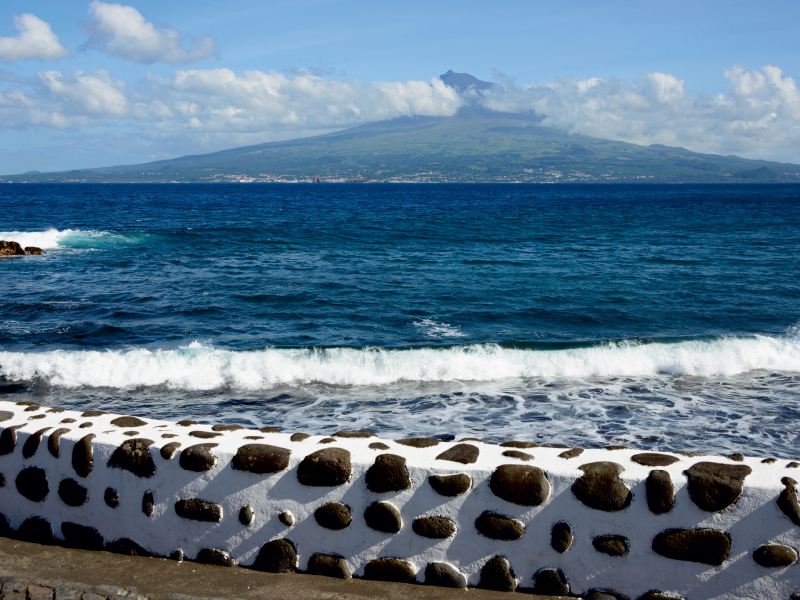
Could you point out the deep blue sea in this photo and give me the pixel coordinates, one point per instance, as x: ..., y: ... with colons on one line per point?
x: 663, y: 317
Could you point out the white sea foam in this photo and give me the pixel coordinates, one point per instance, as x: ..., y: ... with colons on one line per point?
x: 436, y: 329
x: 53, y: 239
x: 199, y: 367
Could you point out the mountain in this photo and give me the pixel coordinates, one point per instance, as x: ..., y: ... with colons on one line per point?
x: 464, y: 81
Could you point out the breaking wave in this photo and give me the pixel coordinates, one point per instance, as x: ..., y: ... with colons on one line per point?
x: 53, y: 239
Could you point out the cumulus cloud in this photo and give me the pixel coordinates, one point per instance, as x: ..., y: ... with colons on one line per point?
x: 122, y: 31
x: 35, y: 40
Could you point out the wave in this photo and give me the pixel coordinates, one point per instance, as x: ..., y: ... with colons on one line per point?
x: 53, y: 239
x: 199, y: 367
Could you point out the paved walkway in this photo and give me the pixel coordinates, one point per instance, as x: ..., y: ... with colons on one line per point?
x: 34, y: 572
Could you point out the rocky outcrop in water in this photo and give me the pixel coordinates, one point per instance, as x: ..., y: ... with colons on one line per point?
x: 14, y: 249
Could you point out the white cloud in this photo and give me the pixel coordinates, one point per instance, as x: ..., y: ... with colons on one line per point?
x: 122, y: 31
x: 35, y: 40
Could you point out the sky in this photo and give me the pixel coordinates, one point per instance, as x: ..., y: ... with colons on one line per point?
x: 92, y: 83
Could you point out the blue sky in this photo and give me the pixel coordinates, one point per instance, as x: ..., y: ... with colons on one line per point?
x: 121, y: 83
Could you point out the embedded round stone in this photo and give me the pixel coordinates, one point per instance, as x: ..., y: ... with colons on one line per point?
x: 383, y: 516
x: 32, y: 483
x: 86, y: 425
x: 277, y: 556
x: 517, y: 454
x: 787, y: 501
x: 93, y: 413
x: 55, y: 410
x: 327, y: 441
x: 204, y: 435
x: 550, y: 582
x: 499, y: 527
x: 705, y: 546
x: 525, y: 485
x: 8, y: 439
x: 354, y: 434
x: 775, y: 556
x: 436, y: 528
x: 573, y: 453
x: 595, y: 594
x: 246, y: 515
x: 126, y: 422
x: 613, y: 545
x: 333, y: 515
x: 287, y: 518
x: 148, y: 503
x: 67, y: 420
x: 378, y: 446
x: 177, y: 555
x: 212, y: 556
x: 187, y: 423
x: 128, y: 433
x: 225, y: 427
x: 418, y: 442
x: 769, y: 461
x: 198, y: 510
x: 653, y: 459
x: 325, y: 468
x: 657, y: 595
x: 450, y: 485
x: 254, y: 437
x: 329, y: 565
x: 82, y: 537
x: 167, y: 436
x: 6, y: 415
x: 54, y: 439
x: 443, y: 574
x: 601, y: 488
x: 497, y: 575
x: 35, y: 529
x: 31, y: 445
x: 466, y: 454
x: 736, y: 457
x: 72, y: 493
x: 660, y: 492
x: 561, y: 537
x: 83, y: 455
x: 269, y: 430
x: 134, y: 456
x: 168, y: 450
x: 390, y: 569
x: 127, y: 547
x: 261, y: 459
x: 716, y: 486
x: 111, y: 497
x: 198, y: 458
x: 792, y: 465
x: 299, y: 437
x: 388, y: 474
x: 519, y: 445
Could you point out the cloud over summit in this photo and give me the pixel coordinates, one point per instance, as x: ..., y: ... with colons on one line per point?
x: 35, y: 40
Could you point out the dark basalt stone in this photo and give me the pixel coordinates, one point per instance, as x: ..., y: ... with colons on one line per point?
x: 705, y: 546
x: 134, y: 456
x: 450, y: 485
x: 5, y: 526
x: 596, y: 594
x: 418, y: 442
x: 167, y: 436
x: 299, y: 437
x: 499, y: 527
x: 128, y: 422
x: 67, y: 420
x: 561, y: 537
x: 55, y: 410
x: 111, y: 497
x: 550, y: 582
x: 32, y: 409
x: 388, y: 474
x: 466, y: 454
x: 2, y: 480
x: 329, y: 565
x: 775, y: 556
x: 354, y: 434
x: 212, y: 556
x: 787, y: 501
x: 518, y: 454
x: 148, y: 503
x: 198, y: 458
x: 444, y: 575
x: 36, y: 530
x: 653, y: 459
x: 31, y: 445
x: 325, y: 468
x: 82, y: 537
x: 769, y: 461
x: 657, y: 595
x: 198, y: 510
x: 130, y: 433
x: 254, y: 437
x: 378, y: 446
x: 287, y: 518
x: 716, y: 486
x: 383, y: 516
x: 525, y: 485
x: 93, y: 413
x: 522, y: 445
x: 261, y: 459
x: 390, y: 569
x: 27, y: 403
x: 246, y: 515
x: 793, y: 465
x: 54, y: 440
x: 574, y: 453
x: 616, y: 447
x: 187, y: 423
x: 224, y: 427
x: 6, y: 415
x: 470, y: 439
x: 168, y: 450
x: 85, y: 425
x: 177, y: 555
x: 277, y: 556
x: 127, y: 547
x: 8, y: 439
x: 327, y: 441
x: 613, y: 545
x: 34, y: 417
x: 436, y: 528
x: 204, y: 435
x: 601, y: 488
x: 497, y: 575
x: 660, y: 492
x: 83, y: 455
x: 72, y: 493
x: 737, y: 457
x: 333, y: 515
x: 32, y: 483
x: 269, y: 430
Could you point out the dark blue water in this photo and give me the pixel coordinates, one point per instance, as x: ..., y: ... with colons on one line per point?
x: 658, y: 316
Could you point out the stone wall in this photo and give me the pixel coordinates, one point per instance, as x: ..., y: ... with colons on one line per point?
x: 613, y: 521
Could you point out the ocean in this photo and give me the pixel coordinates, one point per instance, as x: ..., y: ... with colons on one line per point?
x: 652, y: 316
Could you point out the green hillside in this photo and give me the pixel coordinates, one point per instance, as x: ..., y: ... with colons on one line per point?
x: 473, y: 146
